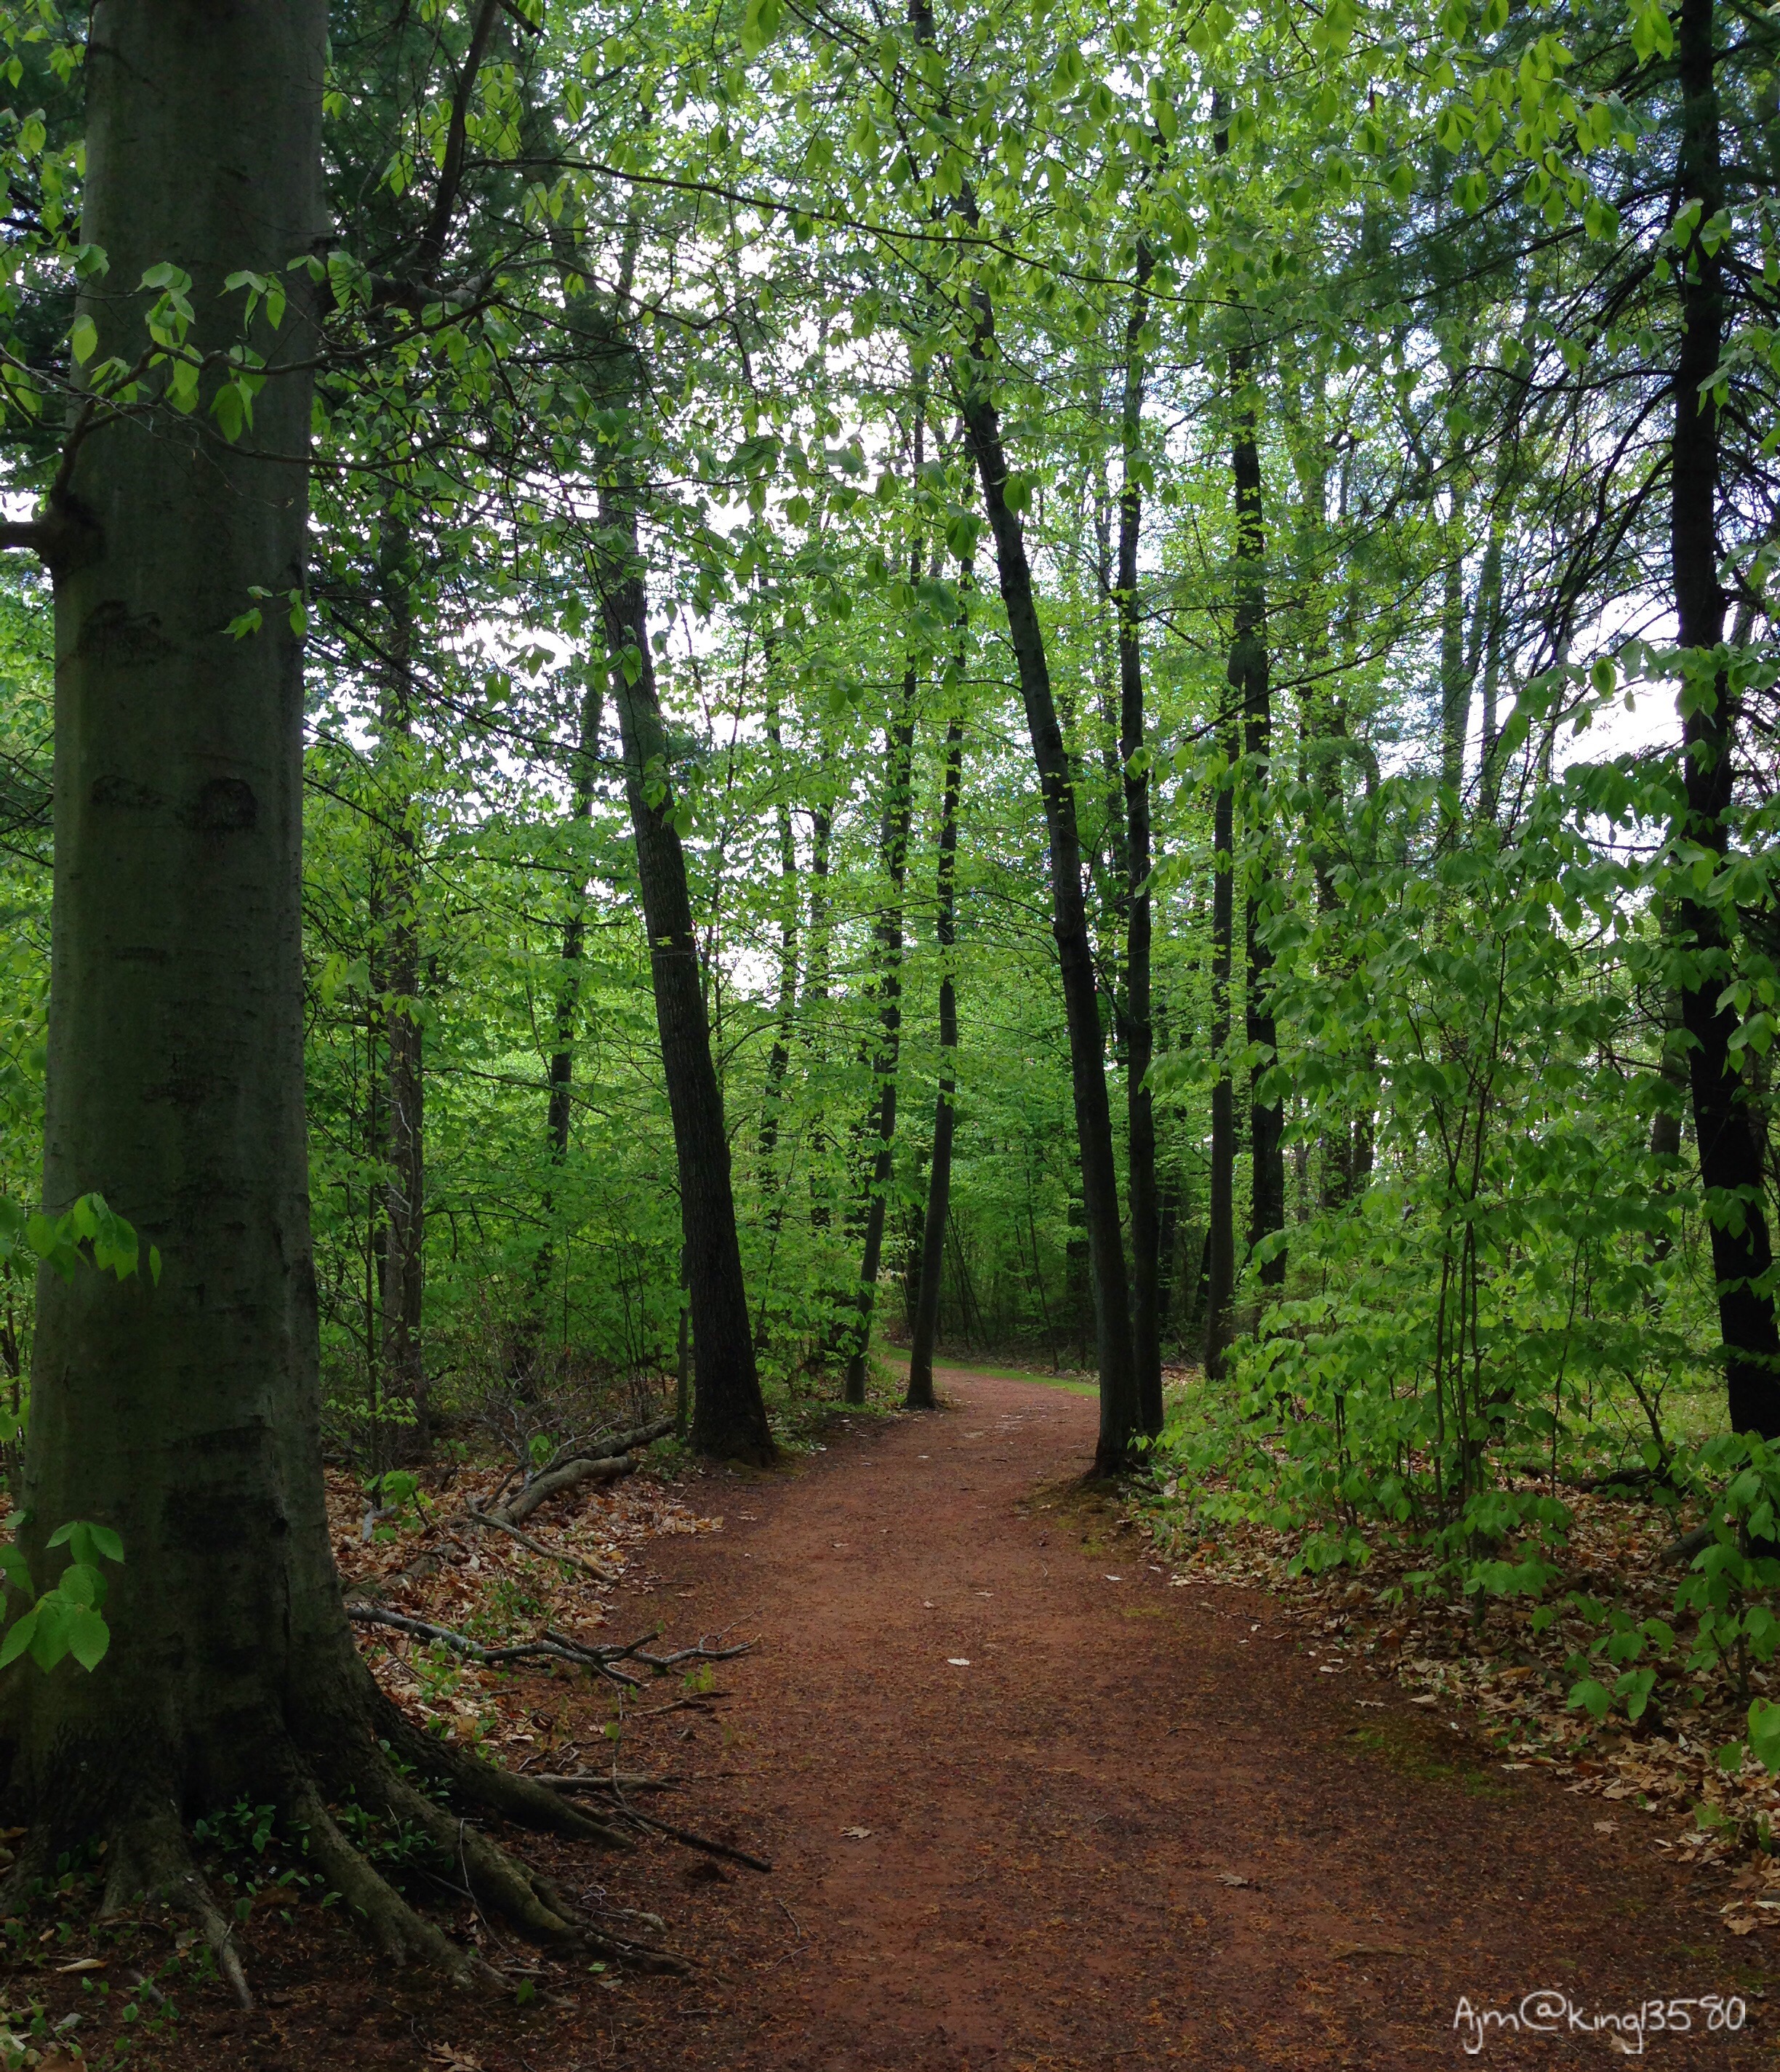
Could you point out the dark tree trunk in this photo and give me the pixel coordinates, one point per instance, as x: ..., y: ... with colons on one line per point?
x: 584, y: 771
x: 1220, y: 1242
x: 1730, y: 1163
x: 1121, y: 1414
x: 816, y: 999
x: 1489, y: 623
x: 939, y: 1209
x: 1455, y: 678
x: 1250, y: 676
x: 1146, y: 1344
x: 729, y: 1416
x: 186, y: 1415
x: 887, y: 935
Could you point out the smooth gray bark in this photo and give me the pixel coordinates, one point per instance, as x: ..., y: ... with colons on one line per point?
x: 186, y: 1415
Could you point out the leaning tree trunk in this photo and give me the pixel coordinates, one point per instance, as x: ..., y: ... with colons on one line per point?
x: 186, y: 1415
x: 1146, y: 1342
x: 933, y: 1229
x: 729, y: 1416
x: 1730, y: 1162
x: 1121, y: 1413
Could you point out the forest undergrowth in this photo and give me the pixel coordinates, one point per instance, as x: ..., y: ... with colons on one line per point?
x: 1622, y: 1641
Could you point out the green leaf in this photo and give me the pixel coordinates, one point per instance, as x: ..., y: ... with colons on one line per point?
x: 759, y: 26
x: 19, y: 1636
x: 225, y: 407
x: 1587, y: 1693
x: 49, y: 1639
x: 1764, y: 1723
x: 88, y: 1636
x: 84, y: 339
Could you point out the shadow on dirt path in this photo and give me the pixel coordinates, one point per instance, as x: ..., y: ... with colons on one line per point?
x: 1031, y: 1805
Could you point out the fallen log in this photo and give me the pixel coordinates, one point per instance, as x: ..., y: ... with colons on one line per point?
x: 606, y: 1461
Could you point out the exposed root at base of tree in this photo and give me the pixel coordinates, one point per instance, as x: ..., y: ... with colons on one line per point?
x: 391, y: 1769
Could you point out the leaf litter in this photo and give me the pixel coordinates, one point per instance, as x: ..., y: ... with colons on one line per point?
x: 1506, y: 1686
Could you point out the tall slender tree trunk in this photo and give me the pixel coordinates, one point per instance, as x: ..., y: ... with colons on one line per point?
x: 1455, y: 678
x: 1146, y: 1345
x: 1490, y: 618
x: 728, y: 1414
x: 560, y: 1106
x: 1121, y: 1414
x: 1730, y: 1163
x: 1250, y: 675
x: 816, y: 999
x: 939, y: 1209
x: 887, y: 932
x: 584, y: 771
x: 1220, y: 1239
x: 404, y: 1148
x: 779, y: 1059
x: 1120, y: 1410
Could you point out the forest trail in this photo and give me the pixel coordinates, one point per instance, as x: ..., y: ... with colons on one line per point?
x: 1133, y: 1831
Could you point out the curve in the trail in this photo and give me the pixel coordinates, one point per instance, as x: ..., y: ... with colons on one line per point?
x: 1031, y: 1804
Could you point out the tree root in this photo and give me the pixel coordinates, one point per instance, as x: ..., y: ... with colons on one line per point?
x: 403, y: 1935
x: 356, y: 1742
x: 150, y: 1856
x: 517, y: 1799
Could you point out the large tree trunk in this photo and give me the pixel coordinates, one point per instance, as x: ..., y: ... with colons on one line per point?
x: 1121, y: 1415
x: 1730, y: 1162
x: 729, y: 1416
x: 1146, y: 1344
x: 939, y: 1210
x: 186, y: 1415
x: 1250, y: 674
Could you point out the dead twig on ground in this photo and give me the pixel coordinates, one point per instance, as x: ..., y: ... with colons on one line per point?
x: 606, y: 1661
x: 597, y: 1570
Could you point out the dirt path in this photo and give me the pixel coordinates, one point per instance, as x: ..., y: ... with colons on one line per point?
x: 1109, y: 1822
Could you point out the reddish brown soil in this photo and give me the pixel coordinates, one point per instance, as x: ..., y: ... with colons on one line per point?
x: 1132, y: 1832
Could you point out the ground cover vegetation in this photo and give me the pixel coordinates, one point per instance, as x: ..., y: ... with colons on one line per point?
x: 727, y: 683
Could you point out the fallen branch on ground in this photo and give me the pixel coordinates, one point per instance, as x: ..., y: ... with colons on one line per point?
x: 552, y: 1647
x: 604, y: 1461
x: 592, y: 1781
x: 597, y: 1570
